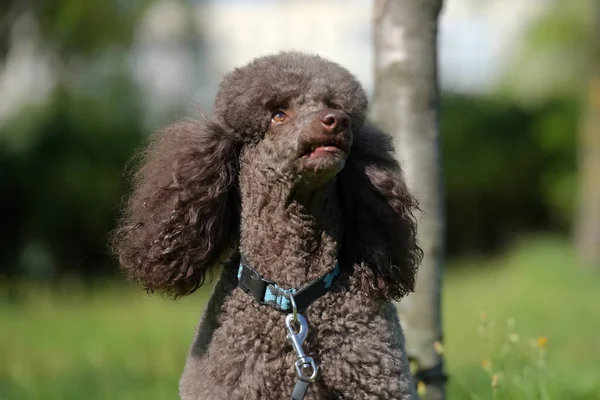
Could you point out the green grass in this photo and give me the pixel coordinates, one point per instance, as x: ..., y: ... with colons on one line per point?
x: 540, y: 289
x: 116, y: 342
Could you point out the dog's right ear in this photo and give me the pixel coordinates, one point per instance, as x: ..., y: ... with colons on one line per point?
x: 183, y: 215
x: 379, y: 217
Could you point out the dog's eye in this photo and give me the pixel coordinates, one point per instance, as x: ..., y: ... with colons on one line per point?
x: 278, y: 117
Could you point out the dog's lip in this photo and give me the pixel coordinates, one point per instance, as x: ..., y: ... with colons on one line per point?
x: 327, y: 146
x: 322, y: 150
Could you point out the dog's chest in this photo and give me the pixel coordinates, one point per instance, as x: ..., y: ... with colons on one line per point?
x: 352, y: 339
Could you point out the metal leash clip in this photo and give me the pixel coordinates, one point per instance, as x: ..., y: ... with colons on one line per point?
x: 297, y: 338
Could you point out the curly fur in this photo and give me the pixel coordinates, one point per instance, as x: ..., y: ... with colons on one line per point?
x: 180, y: 218
x: 211, y: 189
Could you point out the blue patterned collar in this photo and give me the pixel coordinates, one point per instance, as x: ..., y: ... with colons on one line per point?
x: 268, y: 292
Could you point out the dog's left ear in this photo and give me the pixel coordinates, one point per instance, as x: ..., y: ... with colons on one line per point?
x: 183, y: 215
x: 378, y: 212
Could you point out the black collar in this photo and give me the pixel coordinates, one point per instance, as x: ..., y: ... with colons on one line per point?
x: 268, y: 292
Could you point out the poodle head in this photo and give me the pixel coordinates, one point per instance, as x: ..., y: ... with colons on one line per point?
x: 296, y: 114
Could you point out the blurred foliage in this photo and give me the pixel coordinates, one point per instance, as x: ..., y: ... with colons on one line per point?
x: 513, y: 165
x: 61, y: 180
x: 559, y: 58
x: 73, y: 27
x: 509, y: 169
x: 62, y: 157
x: 105, y: 23
x: 553, y: 56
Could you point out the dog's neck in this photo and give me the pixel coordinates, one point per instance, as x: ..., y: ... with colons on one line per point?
x: 290, y: 237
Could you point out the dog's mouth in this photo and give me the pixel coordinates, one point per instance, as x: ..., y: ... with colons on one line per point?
x: 326, y: 148
x: 317, y: 151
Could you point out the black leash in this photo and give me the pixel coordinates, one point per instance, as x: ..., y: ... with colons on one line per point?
x: 300, y: 390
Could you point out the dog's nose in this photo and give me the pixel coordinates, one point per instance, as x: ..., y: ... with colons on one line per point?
x: 334, y: 121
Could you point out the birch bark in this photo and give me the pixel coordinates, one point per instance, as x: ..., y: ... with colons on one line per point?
x: 406, y: 105
x: 587, y: 224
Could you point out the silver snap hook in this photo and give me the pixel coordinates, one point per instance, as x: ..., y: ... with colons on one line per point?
x: 303, y: 363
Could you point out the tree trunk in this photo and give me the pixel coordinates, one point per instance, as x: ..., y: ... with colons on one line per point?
x: 588, y: 216
x: 406, y: 105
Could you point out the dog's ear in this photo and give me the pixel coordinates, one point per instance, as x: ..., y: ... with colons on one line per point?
x: 182, y: 216
x: 378, y: 211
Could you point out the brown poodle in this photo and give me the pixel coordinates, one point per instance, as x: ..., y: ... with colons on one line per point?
x: 286, y: 177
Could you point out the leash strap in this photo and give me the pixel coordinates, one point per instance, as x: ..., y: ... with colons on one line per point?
x: 300, y: 390
x: 432, y: 375
x: 267, y: 292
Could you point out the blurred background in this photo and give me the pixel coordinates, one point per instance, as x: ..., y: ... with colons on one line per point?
x: 83, y: 84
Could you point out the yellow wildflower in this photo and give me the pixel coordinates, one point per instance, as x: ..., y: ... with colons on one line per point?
x: 487, y: 364
x: 495, y: 381
x: 421, y: 389
x: 542, y: 342
x: 414, y: 366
